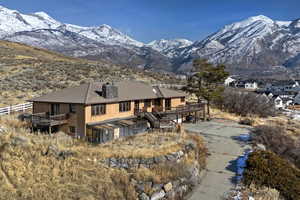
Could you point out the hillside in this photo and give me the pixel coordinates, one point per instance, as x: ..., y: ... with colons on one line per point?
x: 27, y: 71
x: 59, y: 167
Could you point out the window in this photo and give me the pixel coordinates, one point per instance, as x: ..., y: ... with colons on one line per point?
x: 125, y: 106
x: 147, y: 103
x: 72, y: 108
x: 99, y: 109
x: 55, y: 109
x: 72, y: 129
x: 182, y: 99
x: 157, y: 102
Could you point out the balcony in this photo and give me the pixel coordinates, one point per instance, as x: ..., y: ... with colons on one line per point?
x: 44, y: 119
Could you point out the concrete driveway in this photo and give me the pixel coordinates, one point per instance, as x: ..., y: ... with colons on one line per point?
x: 225, y: 147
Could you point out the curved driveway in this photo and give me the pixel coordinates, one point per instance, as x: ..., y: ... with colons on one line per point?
x: 224, y: 147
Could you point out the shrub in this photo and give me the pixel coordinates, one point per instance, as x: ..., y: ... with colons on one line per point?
x: 246, y: 121
x: 276, y: 139
x: 266, y: 169
x: 245, y: 104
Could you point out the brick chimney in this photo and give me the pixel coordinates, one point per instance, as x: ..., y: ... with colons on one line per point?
x: 109, y: 91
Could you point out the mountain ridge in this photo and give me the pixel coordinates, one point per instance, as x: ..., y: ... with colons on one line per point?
x: 257, y: 42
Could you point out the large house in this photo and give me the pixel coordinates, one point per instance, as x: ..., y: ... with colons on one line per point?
x: 101, y: 111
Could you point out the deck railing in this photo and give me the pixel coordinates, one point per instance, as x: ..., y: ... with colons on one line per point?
x: 45, y: 119
x: 15, y: 108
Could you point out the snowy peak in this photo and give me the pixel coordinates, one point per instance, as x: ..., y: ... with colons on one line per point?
x: 12, y: 21
x: 166, y: 45
x: 104, y: 34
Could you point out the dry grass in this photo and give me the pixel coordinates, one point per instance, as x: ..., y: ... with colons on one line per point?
x: 26, y: 72
x: 28, y: 174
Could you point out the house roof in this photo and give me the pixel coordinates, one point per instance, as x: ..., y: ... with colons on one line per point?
x: 90, y: 93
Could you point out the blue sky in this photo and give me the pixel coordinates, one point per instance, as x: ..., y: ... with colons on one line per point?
x: 147, y: 20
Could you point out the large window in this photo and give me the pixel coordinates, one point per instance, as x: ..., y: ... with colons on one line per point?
x: 125, y: 106
x: 147, y: 103
x: 99, y: 109
x: 72, y: 108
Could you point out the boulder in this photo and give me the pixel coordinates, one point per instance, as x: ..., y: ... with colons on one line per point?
x: 157, y: 187
x: 158, y: 195
x: 144, y: 196
x: 54, y: 151
x: 20, y: 141
x: 160, y: 159
x: 168, y: 187
x: 261, y: 147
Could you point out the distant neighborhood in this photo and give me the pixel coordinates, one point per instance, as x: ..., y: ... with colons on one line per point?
x: 283, y: 94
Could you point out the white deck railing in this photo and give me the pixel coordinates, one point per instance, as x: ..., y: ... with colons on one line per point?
x: 15, y: 108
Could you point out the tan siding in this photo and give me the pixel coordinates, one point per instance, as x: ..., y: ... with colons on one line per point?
x: 112, y: 111
x: 39, y: 107
x: 177, y: 102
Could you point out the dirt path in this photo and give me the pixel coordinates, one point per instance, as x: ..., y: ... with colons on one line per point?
x: 222, y: 139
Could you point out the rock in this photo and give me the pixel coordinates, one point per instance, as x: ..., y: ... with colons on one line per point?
x: 160, y: 159
x: 176, y: 183
x: 171, y: 194
x: 113, y: 162
x: 171, y: 157
x: 65, y: 154
x: 158, y: 195
x: 180, y: 153
x: 144, y: 196
x: 53, y: 150
x: 140, y: 187
x: 157, y: 187
x: 261, y: 147
x: 20, y: 141
x: 168, y: 187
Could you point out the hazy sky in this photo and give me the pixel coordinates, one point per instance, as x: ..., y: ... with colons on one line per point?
x: 148, y: 20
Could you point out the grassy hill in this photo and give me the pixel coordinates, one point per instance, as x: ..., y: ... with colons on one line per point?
x: 26, y: 72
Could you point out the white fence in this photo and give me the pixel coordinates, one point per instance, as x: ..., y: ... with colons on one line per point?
x: 15, y: 108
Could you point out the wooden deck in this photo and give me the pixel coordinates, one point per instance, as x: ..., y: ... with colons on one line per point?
x: 170, y: 116
x: 44, y: 120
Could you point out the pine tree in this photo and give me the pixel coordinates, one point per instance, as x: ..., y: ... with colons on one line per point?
x: 207, y: 81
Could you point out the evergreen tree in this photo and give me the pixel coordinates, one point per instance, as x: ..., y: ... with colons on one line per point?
x: 207, y: 81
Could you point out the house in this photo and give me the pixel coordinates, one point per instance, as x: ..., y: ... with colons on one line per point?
x: 251, y: 85
x: 104, y: 111
x: 229, y: 81
x: 278, y: 102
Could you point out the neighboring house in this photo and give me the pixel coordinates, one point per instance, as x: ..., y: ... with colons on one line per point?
x: 251, y: 85
x: 104, y: 111
x: 297, y: 99
x: 278, y: 102
x: 229, y: 81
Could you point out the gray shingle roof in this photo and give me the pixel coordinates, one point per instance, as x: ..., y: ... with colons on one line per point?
x: 90, y: 93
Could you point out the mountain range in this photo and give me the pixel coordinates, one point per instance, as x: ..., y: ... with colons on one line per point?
x: 254, y: 44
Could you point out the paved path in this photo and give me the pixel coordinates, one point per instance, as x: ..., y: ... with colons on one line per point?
x: 224, y: 147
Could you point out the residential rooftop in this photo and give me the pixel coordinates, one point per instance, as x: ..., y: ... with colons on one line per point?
x: 91, y: 93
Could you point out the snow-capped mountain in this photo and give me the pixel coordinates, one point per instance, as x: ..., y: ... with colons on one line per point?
x: 12, y: 21
x: 103, y: 42
x: 257, y: 42
x: 167, y: 47
x: 254, y: 43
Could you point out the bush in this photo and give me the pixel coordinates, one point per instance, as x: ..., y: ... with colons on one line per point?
x: 246, y: 103
x: 246, y: 121
x: 266, y: 169
x: 277, y: 140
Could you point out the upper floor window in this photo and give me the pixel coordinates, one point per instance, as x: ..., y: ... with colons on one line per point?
x: 147, y: 103
x: 182, y: 99
x: 125, y: 106
x: 99, y: 109
x: 55, y: 109
x: 72, y: 108
x: 157, y: 102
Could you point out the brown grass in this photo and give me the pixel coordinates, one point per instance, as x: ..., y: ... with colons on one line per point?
x: 27, y: 174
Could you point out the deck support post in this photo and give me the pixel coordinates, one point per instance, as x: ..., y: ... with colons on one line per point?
x: 50, y: 130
